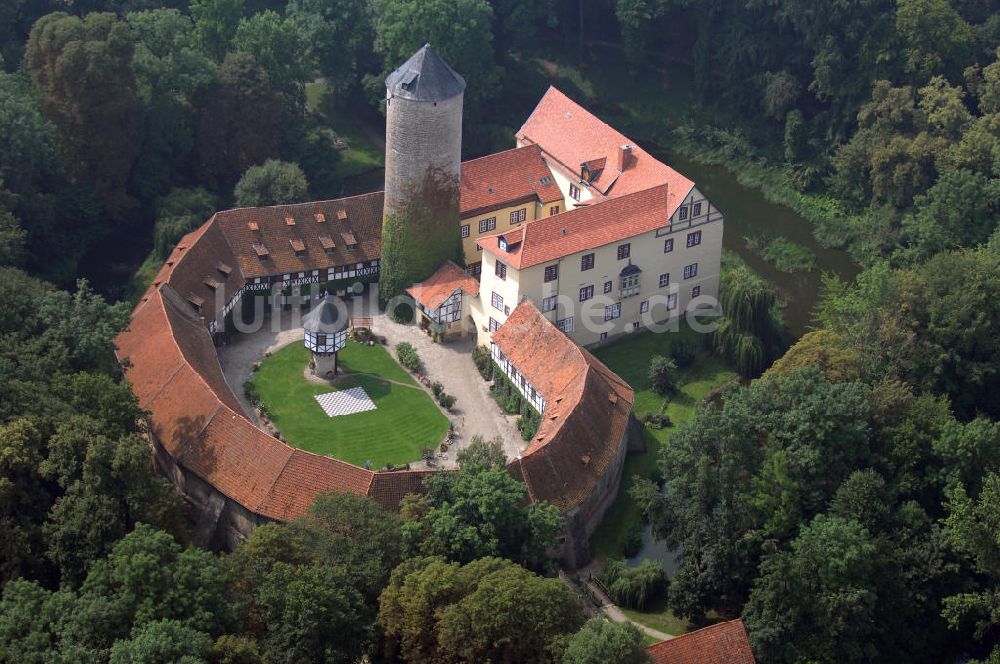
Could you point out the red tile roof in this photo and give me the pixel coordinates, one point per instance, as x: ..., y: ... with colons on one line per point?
x: 571, y: 135
x: 589, y: 227
x: 587, y: 408
x: 723, y: 643
x: 506, y: 178
x: 174, y: 370
x: 433, y: 291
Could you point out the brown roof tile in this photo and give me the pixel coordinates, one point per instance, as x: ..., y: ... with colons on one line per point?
x: 361, y: 218
x: 504, y: 179
x: 722, y: 643
x: 433, y: 291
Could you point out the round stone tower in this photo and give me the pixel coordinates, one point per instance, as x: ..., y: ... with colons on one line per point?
x: 423, y: 161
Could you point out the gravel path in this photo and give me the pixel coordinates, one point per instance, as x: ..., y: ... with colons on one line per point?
x: 475, y: 412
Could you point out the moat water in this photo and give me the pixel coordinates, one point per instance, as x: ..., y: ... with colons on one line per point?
x: 748, y: 213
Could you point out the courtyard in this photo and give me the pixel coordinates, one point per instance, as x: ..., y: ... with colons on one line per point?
x: 404, y: 419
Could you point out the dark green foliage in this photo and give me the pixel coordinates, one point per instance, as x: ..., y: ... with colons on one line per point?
x: 634, y: 587
x: 179, y: 212
x: 481, y: 454
x: 486, y: 610
x: 421, y: 236
x: 749, y: 332
x: 82, y: 70
x: 683, y: 352
x: 601, y: 641
x: 633, y: 541
x: 662, y: 375
x: 480, y: 511
x: 272, y: 183
x: 407, y: 356
x: 437, y: 388
x: 446, y: 400
x: 528, y: 422
x: 229, y: 139
x: 483, y: 361
x: 148, y: 601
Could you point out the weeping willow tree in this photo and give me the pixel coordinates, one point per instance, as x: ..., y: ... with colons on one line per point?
x: 749, y: 333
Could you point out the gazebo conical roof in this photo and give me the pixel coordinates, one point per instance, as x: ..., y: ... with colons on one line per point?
x: 325, y: 318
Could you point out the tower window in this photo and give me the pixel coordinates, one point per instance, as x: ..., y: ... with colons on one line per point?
x: 497, y: 301
x: 500, y: 270
x: 668, y: 245
x: 551, y: 272
x: 691, y: 271
x: 574, y: 192
x: 694, y: 239
x: 586, y: 262
x: 624, y: 250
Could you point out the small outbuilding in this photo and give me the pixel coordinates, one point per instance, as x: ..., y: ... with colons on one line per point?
x: 326, y: 335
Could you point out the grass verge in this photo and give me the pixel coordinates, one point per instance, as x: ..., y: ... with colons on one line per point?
x: 405, y: 419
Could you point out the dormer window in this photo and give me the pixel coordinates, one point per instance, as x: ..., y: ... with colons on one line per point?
x: 349, y: 240
x: 223, y: 268
x: 298, y: 246
x: 320, y: 218
x: 290, y: 221
x: 503, y: 243
x: 261, y: 250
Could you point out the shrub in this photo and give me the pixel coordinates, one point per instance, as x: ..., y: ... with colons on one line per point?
x: 446, y: 400
x: 528, y: 423
x: 634, y: 587
x: 250, y: 390
x: 483, y: 361
x: 655, y: 420
x: 437, y: 388
x: 662, y: 375
x: 407, y: 355
x: 402, y: 313
x: 683, y: 352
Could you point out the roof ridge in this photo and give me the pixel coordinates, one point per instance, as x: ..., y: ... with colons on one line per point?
x: 295, y: 205
x: 507, y: 151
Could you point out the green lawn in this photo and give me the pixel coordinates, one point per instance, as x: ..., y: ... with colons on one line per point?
x: 405, y: 420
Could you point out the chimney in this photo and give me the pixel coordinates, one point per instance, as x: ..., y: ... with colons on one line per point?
x: 624, y: 157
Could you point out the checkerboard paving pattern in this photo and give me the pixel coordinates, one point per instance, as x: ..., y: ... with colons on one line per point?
x: 345, y: 402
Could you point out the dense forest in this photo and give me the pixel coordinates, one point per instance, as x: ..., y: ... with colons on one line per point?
x: 845, y: 503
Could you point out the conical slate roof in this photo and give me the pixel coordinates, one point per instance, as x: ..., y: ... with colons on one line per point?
x: 425, y: 77
x: 325, y: 317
